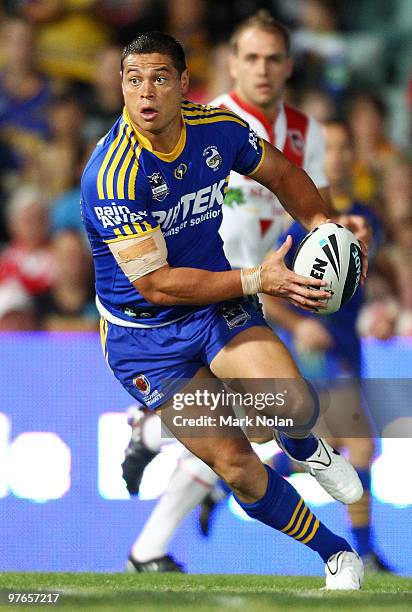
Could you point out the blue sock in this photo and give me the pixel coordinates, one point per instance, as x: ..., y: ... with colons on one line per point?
x: 299, y: 448
x: 362, y: 539
x: 360, y: 513
x: 282, y: 508
x: 365, y: 477
x: 282, y: 464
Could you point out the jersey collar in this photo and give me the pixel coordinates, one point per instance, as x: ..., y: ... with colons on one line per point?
x: 145, y: 142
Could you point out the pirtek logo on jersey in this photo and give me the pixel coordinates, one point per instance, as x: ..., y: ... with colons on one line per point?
x: 197, y: 203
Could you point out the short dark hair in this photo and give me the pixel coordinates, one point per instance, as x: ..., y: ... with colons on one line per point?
x: 156, y: 42
x: 262, y: 20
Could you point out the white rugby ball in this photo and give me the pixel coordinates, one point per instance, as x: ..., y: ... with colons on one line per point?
x: 332, y: 253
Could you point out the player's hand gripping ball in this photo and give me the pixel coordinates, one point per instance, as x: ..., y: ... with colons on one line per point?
x: 332, y: 253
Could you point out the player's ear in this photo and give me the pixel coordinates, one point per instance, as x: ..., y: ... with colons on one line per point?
x: 185, y: 80
x: 232, y: 63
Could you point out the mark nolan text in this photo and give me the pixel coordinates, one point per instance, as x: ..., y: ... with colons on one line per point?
x: 258, y: 420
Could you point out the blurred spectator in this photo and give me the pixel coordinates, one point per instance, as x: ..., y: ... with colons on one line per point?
x: 65, y: 211
x: 27, y: 258
x: 320, y: 49
x: 390, y: 310
x: 16, y: 308
x: 186, y: 21
x: 105, y: 101
x: 56, y: 164
x: 396, y: 193
x: 220, y: 80
x: 131, y: 17
x: 8, y: 172
x: 318, y: 104
x: 69, y: 303
x: 24, y: 92
x: 69, y: 36
x: 367, y: 117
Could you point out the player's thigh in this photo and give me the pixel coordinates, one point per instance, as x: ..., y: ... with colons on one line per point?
x: 207, y: 431
x: 257, y: 362
x: 256, y: 352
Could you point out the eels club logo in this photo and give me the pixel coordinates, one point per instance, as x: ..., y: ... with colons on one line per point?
x: 213, y: 157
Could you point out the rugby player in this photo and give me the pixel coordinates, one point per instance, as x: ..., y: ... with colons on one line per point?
x: 260, y: 64
x: 171, y: 308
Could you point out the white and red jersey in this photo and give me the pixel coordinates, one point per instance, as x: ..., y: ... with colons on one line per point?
x: 253, y: 217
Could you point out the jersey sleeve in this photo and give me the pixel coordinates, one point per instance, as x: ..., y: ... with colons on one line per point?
x: 249, y: 148
x: 109, y: 220
x: 314, y: 162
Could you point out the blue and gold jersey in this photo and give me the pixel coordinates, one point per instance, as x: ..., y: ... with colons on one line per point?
x: 128, y: 189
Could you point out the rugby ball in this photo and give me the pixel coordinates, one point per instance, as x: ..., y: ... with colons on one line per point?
x: 332, y: 253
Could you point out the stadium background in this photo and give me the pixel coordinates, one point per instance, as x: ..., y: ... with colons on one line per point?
x: 62, y: 503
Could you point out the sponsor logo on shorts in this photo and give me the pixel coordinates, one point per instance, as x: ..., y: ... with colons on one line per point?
x: 159, y: 186
x: 153, y: 397
x: 234, y: 314
x: 212, y: 157
x: 142, y: 384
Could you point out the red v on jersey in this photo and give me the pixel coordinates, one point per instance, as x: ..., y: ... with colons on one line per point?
x: 296, y: 128
x: 255, y: 112
x: 265, y: 225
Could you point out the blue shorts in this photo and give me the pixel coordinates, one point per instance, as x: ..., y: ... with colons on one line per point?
x: 144, y: 359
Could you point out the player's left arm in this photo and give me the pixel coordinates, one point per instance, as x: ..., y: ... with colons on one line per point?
x: 294, y: 188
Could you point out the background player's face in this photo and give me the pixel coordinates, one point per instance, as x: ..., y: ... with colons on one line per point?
x: 339, y: 154
x: 152, y: 89
x: 260, y: 67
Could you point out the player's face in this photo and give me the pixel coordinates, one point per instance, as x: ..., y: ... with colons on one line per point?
x: 260, y: 67
x: 339, y: 154
x: 152, y: 89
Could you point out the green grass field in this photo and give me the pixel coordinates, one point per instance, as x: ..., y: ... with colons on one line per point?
x: 201, y: 593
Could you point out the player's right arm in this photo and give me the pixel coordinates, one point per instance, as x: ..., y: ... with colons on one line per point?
x: 144, y: 261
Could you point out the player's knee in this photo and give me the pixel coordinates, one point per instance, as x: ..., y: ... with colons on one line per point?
x: 236, y: 469
x: 303, y: 407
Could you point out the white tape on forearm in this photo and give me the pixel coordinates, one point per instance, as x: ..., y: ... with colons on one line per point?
x: 139, y: 256
x: 251, y: 279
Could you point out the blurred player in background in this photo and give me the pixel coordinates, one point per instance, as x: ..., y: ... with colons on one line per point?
x: 260, y: 64
x: 328, y: 348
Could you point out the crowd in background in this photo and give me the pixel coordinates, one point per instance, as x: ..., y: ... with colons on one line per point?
x: 60, y: 93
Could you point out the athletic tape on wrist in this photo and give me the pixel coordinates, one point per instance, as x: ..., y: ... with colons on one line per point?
x: 251, y: 279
